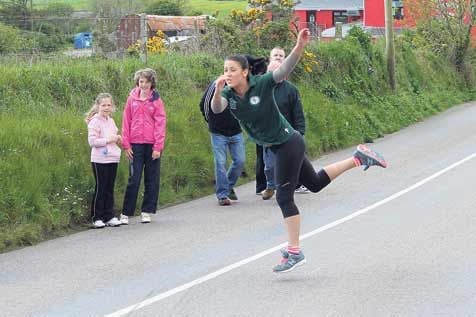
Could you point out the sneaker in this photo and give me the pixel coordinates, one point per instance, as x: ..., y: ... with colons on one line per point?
x: 114, y: 222
x: 289, y: 263
x: 124, y: 220
x: 232, y: 195
x: 368, y: 158
x: 98, y: 224
x: 145, y: 217
x: 225, y: 201
x: 267, y: 193
x: 302, y: 190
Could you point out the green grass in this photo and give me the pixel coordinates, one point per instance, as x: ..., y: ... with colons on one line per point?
x: 76, y: 4
x: 210, y: 7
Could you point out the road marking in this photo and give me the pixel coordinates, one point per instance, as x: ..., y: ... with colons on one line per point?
x: 255, y: 257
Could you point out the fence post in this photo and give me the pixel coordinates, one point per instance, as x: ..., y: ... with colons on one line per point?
x: 338, y: 31
x: 143, y: 38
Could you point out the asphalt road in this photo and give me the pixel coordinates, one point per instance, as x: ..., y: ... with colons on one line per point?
x: 386, y: 242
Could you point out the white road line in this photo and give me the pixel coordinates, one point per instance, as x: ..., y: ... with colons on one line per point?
x: 255, y: 257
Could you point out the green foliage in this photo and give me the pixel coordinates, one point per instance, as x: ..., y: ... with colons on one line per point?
x: 166, y: 7
x: 361, y: 36
x: 16, y: 13
x: 10, y: 39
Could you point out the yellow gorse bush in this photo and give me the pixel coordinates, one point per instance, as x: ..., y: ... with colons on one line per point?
x: 309, y: 61
x: 246, y: 17
x: 287, y: 3
x: 155, y: 45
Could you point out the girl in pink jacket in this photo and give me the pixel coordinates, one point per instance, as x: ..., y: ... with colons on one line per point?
x: 143, y: 137
x: 105, y: 155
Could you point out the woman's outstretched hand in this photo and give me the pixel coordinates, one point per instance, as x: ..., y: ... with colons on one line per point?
x: 304, y: 37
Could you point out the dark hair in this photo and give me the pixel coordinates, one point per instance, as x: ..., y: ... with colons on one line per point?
x: 147, y: 73
x: 256, y: 65
x: 240, y: 59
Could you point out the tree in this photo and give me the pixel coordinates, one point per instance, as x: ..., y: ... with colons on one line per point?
x: 449, y: 29
x: 10, y: 39
x: 167, y: 7
x: 16, y: 12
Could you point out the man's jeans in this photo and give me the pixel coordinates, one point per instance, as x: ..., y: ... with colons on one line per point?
x: 269, y: 159
x: 226, y: 180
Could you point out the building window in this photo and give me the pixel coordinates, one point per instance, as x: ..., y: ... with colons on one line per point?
x: 397, y: 8
x: 340, y: 16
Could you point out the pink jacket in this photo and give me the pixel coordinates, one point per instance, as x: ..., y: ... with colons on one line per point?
x: 99, y: 129
x: 144, y: 121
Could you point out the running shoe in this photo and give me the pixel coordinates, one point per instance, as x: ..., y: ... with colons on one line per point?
x: 302, y: 190
x: 289, y: 263
x: 98, y: 224
x: 124, y: 219
x: 113, y: 222
x: 145, y: 217
x: 368, y: 158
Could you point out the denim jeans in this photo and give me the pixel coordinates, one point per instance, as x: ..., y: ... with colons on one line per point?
x: 226, y: 179
x: 142, y: 160
x: 269, y: 158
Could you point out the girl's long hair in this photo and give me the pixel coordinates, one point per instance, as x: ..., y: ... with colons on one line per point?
x: 95, y: 107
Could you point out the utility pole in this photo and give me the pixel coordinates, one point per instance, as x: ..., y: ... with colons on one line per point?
x: 389, y: 45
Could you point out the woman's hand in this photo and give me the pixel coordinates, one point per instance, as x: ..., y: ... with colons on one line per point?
x: 220, y: 82
x: 304, y: 37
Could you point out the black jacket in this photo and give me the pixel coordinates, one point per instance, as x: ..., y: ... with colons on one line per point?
x: 289, y: 103
x: 221, y: 123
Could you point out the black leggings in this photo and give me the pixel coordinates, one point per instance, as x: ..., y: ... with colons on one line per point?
x: 292, y: 166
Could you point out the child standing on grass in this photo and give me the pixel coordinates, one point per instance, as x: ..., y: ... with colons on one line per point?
x: 143, y: 137
x: 105, y: 155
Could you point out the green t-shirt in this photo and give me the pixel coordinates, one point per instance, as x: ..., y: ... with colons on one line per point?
x: 258, y: 113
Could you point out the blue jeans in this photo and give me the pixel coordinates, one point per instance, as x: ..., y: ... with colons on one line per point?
x: 269, y: 158
x: 226, y: 180
x: 142, y: 161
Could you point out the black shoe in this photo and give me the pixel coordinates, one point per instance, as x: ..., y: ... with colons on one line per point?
x: 232, y: 195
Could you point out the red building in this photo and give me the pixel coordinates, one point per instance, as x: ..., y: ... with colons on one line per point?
x: 374, y: 14
x: 323, y: 14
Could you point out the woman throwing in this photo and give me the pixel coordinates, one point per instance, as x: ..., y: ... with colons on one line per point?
x: 250, y: 99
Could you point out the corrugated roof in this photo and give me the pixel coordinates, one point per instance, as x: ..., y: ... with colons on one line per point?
x: 341, y: 5
x: 172, y: 23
